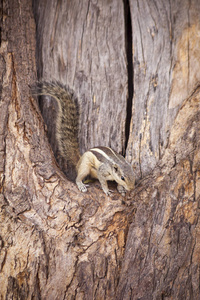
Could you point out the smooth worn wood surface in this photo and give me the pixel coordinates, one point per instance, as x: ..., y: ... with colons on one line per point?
x: 82, y: 44
x: 166, y: 70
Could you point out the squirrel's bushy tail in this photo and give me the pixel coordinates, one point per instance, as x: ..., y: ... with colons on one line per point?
x: 67, y: 120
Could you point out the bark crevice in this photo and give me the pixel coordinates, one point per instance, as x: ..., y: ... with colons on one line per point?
x: 129, y: 56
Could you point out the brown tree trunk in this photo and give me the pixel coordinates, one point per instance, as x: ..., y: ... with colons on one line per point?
x: 135, y: 68
x: 162, y: 254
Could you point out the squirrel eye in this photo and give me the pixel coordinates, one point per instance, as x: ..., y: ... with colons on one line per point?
x: 122, y: 178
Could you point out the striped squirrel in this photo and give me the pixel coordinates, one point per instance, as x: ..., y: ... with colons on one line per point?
x: 102, y: 163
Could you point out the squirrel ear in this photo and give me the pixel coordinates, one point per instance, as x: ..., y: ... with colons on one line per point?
x: 115, y: 167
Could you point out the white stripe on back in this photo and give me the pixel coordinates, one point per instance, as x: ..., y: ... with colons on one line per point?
x: 102, y: 153
x: 112, y: 152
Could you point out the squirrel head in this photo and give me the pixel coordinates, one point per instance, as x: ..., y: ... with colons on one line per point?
x: 123, y: 174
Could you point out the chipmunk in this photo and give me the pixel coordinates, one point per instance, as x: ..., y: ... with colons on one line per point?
x: 102, y: 163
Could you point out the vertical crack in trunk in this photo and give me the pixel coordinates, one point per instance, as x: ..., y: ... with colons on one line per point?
x: 129, y: 55
x: 1, y: 19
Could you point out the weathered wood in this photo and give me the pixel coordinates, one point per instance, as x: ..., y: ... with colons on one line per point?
x: 162, y: 255
x: 83, y: 45
x: 166, y: 69
x: 55, y: 242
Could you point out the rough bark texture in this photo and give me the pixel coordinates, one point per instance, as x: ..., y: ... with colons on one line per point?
x: 55, y: 242
x: 162, y: 254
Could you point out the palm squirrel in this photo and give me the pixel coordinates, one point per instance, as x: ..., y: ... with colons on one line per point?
x: 102, y: 163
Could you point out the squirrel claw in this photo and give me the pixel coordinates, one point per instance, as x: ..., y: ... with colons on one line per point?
x: 108, y: 193
x: 82, y: 188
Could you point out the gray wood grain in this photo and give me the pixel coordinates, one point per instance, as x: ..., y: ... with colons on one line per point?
x: 82, y: 44
x: 166, y: 69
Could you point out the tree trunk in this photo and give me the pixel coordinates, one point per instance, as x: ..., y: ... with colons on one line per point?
x: 135, y: 68
x: 78, y: 44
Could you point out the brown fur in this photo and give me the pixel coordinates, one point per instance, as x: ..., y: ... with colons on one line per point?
x: 67, y: 121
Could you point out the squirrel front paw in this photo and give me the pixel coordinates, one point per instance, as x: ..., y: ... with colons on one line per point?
x: 81, y: 187
x: 107, y: 191
x: 121, y: 190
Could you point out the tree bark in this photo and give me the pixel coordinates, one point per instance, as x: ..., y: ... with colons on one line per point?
x: 78, y: 44
x: 162, y: 255
x: 166, y: 70
x: 135, y: 68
